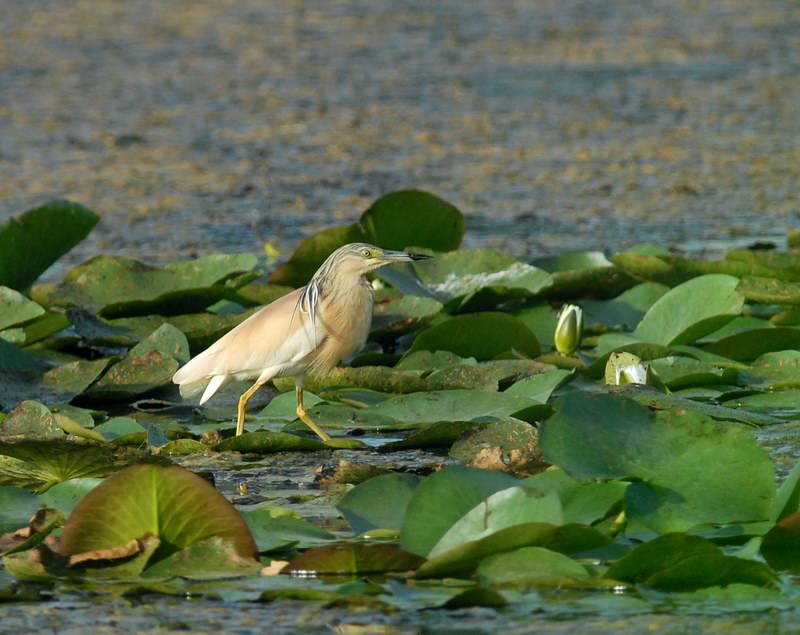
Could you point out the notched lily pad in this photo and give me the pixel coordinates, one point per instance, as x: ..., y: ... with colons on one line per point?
x: 508, y: 445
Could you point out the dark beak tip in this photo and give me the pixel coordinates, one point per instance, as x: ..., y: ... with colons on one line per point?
x: 419, y: 256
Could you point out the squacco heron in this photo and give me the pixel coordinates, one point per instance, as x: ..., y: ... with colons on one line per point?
x: 311, y: 328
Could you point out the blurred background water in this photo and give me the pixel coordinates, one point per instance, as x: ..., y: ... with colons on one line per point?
x: 195, y: 126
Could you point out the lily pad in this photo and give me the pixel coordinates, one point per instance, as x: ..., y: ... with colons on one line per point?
x: 677, y: 562
x: 691, y: 310
x: 148, y: 365
x: 531, y: 565
x: 353, y: 558
x: 15, y: 308
x: 444, y: 498
x: 691, y: 472
x: 172, y: 503
x: 38, y: 464
x: 479, y: 335
x: 32, y: 242
x: 113, y: 286
x: 276, y: 528
x: 379, y: 503
x: 749, y: 345
x: 398, y: 220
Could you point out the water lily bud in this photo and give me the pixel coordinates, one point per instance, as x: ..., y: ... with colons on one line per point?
x: 569, y: 329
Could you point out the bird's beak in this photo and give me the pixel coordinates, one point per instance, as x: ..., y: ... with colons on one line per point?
x: 402, y: 256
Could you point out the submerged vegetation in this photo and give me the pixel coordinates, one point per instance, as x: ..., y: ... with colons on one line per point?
x: 621, y: 460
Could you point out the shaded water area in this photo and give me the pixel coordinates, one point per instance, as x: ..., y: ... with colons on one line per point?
x: 195, y: 127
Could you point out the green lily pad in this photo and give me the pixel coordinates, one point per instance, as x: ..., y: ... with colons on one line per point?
x: 626, y: 310
x: 459, y: 276
x: 172, y: 503
x: 17, y: 507
x: 769, y: 290
x: 379, y: 503
x: 692, y: 472
x: 263, y: 441
x: 450, y: 405
x: 353, y: 558
x: 531, y: 565
x: 683, y: 372
x: 147, y: 366
x: 656, y: 400
x: 15, y: 308
x: 750, y: 345
x: 397, y: 220
x: 139, y: 289
x: 581, y: 502
x: 691, y: 310
x: 407, y: 218
x: 38, y: 464
x: 463, y: 559
x: 441, y: 434
x: 276, y: 528
x: 480, y: 335
x: 65, y: 496
x: 31, y: 419
x: 444, y: 498
x: 677, y: 562
x: 540, y: 387
x: 210, y: 559
x: 500, y: 510
x: 777, y: 370
x: 541, y: 320
x: 54, y: 229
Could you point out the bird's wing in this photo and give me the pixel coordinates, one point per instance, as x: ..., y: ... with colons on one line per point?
x: 275, y: 339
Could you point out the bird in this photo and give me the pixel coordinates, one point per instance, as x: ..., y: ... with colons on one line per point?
x: 309, y: 329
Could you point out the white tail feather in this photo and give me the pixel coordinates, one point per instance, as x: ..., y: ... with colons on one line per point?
x: 217, y: 382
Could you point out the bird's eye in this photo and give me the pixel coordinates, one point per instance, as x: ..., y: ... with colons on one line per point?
x: 367, y: 253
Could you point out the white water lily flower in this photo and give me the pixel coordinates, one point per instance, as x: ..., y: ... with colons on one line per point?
x: 631, y: 374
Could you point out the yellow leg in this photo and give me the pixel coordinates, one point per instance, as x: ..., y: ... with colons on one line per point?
x: 303, y: 413
x: 243, y: 405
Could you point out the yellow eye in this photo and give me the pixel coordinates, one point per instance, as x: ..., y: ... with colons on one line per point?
x: 367, y: 253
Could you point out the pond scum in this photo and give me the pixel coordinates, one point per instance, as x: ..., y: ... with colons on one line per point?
x: 629, y: 465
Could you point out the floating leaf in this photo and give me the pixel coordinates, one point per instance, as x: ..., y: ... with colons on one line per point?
x: 172, y: 503
x: 413, y: 218
x: 353, y: 558
x: 148, y: 365
x: 751, y: 344
x: 626, y: 310
x: 479, y: 335
x: 769, y: 290
x: 264, y: 441
x: 441, y: 500
x: 15, y: 308
x: 683, y: 372
x: 113, y: 286
x: 500, y: 510
x: 531, y: 565
x: 32, y: 242
x: 379, y: 503
x: 691, y: 310
x: 465, y: 558
x: 66, y: 495
x: 677, y: 562
x: 691, y: 471
x: 17, y: 507
x: 275, y: 528
x: 777, y: 370
x: 38, y: 464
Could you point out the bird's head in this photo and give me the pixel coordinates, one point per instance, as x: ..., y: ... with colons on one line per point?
x: 361, y: 258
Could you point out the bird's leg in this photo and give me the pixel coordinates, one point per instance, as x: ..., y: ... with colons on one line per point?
x: 243, y: 405
x: 303, y: 413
